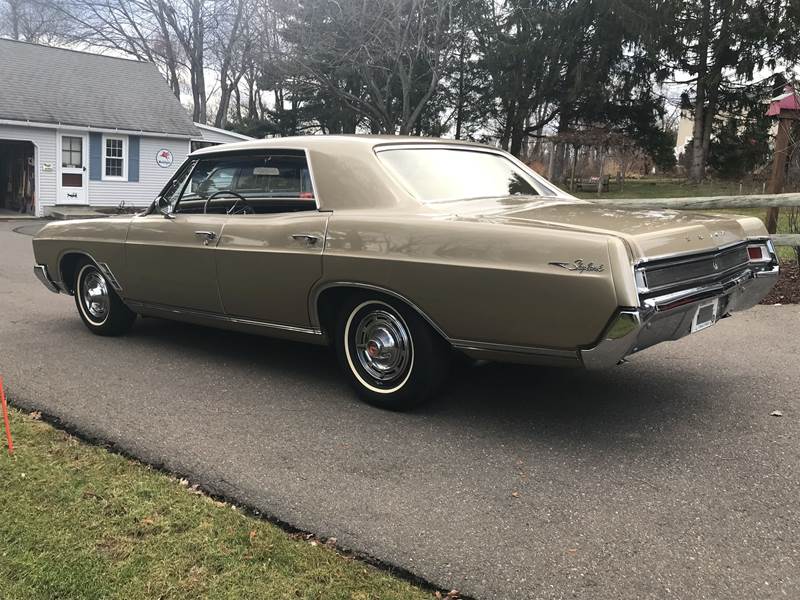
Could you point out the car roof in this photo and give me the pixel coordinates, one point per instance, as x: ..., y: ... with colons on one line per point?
x: 310, y: 142
x: 344, y: 169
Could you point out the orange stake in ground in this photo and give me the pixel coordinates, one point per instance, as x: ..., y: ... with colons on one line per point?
x: 5, y: 418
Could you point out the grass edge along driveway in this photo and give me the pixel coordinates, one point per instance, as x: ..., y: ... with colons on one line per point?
x: 77, y: 521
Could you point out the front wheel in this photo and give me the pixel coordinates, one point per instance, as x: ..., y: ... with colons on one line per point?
x: 100, y: 308
x: 391, y: 355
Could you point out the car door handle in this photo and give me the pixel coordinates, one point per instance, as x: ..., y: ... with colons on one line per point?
x: 306, y: 237
x: 208, y: 235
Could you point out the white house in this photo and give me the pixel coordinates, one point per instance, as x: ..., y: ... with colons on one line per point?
x: 88, y: 130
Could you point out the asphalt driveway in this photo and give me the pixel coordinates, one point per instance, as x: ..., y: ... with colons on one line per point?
x: 664, y: 478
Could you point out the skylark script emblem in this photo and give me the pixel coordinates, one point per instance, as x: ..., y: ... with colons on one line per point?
x: 580, y: 266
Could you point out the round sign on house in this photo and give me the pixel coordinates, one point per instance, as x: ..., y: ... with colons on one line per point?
x: 164, y: 158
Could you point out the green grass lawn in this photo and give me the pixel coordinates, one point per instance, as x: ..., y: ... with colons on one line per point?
x: 77, y: 521
x: 670, y: 188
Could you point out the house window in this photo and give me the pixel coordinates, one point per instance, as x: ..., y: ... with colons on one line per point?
x: 71, y: 152
x: 114, y: 158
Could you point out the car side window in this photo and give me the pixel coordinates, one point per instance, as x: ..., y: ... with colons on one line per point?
x: 169, y: 195
x: 249, y: 184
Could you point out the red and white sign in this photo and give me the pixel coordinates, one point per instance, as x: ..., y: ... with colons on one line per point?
x: 164, y: 158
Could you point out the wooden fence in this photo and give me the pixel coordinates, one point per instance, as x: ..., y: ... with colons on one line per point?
x: 716, y: 202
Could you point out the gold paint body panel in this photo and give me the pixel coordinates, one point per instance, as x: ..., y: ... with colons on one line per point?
x: 479, y: 270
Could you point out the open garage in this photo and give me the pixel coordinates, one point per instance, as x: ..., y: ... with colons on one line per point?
x: 17, y: 176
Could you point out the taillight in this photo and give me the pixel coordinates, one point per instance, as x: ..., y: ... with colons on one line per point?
x: 759, y: 253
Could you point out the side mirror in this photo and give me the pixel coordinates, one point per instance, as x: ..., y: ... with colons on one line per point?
x: 163, y: 208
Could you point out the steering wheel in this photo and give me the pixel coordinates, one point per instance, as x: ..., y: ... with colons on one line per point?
x: 246, y: 208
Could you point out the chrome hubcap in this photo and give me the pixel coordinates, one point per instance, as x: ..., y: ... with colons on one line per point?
x: 383, y: 345
x: 94, y: 294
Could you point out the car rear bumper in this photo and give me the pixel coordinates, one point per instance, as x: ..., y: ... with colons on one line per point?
x: 670, y: 317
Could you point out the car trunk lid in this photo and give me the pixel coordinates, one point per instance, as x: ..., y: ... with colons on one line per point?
x: 649, y: 233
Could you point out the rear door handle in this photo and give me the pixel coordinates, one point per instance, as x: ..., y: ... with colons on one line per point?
x: 305, y: 237
x: 208, y: 235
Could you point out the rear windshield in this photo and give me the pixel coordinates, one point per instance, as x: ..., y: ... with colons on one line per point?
x: 448, y: 174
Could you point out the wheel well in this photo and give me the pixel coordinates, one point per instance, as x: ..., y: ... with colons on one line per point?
x: 68, y: 268
x: 329, y: 302
x: 331, y: 299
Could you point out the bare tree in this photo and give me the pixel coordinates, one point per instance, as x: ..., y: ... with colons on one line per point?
x: 189, y: 20
x: 231, y: 48
x: 138, y: 28
x: 383, y: 58
x: 33, y: 21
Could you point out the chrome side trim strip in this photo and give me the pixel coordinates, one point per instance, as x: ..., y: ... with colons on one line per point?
x: 109, y: 276
x: 174, y: 310
x: 492, y: 347
x: 42, y: 275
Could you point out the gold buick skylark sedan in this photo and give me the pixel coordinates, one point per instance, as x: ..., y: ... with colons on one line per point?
x: 399, y: 252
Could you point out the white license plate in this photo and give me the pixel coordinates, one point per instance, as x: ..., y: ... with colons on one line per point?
x: 706, y: 315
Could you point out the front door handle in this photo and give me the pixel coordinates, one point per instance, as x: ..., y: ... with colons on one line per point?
x: 306, y: 237
x: 208, y: 235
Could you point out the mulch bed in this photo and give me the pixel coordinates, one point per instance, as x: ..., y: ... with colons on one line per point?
x: 787, y: 290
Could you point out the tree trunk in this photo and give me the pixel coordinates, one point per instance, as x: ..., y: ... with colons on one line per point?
x: 169, y: 51
x: 14, y: 6
x: 199, y: 114
x: 575, y: 149
x: 602, y: 168
x: 460, y: 104
x: 221, y: 118
x: 517, y: 133
x: 698, y: 168
x: 551, y: 164
x: 505, y: 135
x: 778, y: 168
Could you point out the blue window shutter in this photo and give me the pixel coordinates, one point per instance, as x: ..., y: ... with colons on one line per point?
x: 133, y: 157
x: 95, y: 156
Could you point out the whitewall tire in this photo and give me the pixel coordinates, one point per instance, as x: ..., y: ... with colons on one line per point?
x: 390, y: 354
x: 99, y: 306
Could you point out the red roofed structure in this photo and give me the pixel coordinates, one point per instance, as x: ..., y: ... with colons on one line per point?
x: 789, y: 100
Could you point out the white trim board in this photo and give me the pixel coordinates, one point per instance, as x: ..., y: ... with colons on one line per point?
x: 94, y: 129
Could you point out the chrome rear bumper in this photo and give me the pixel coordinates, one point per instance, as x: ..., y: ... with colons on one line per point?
x: 669, y: 317
x: 42, y: 275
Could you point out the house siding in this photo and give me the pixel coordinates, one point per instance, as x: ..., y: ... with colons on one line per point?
x: 45, y: 142
x: 152, y: 178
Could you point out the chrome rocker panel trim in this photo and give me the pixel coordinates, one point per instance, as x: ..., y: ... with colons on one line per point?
x: 211, y: 318
x: 669, y: 317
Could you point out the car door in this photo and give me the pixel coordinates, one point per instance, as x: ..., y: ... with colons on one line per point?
x: 169, y: 252
x: 270, y: 252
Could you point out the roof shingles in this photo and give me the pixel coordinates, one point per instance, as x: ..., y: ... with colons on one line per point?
x: 54, y: 85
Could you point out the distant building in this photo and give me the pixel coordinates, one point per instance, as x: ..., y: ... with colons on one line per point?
x: 213, y: 136
x: 685, y: 130
x: 82, y: 129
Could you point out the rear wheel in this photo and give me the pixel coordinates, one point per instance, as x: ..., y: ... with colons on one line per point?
x: 99, y: 306
x: 390, y: 354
